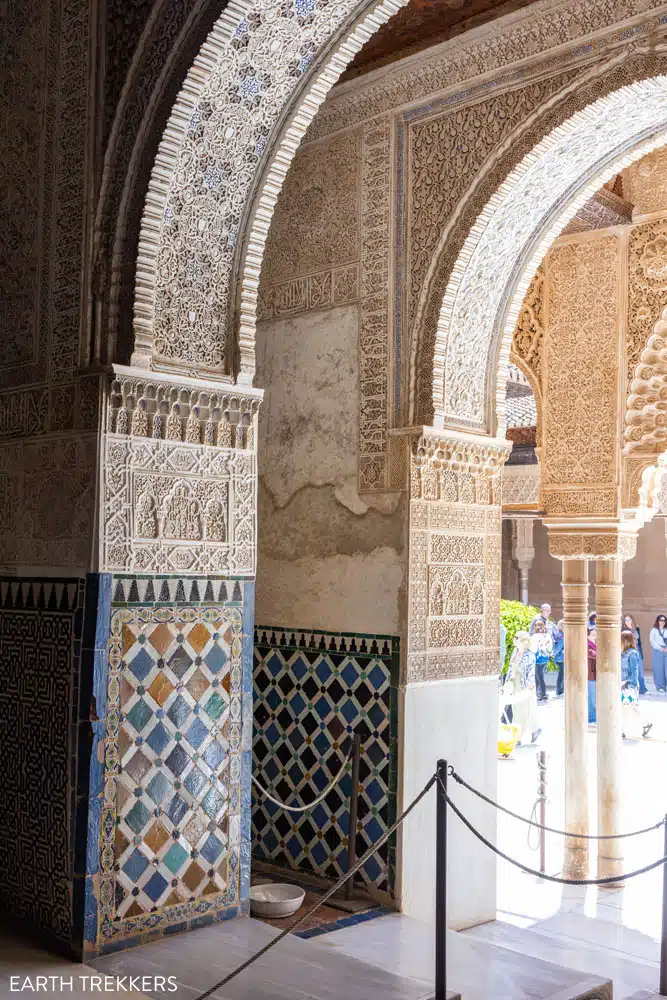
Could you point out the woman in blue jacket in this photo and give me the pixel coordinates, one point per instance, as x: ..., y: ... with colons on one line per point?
x: 630, y: 662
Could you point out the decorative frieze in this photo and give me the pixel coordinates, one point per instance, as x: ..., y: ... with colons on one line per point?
x: 197, y: 413
x: 179, y: 478
x: 592, y: 542
x: 374, y: 306
x: 336, y: 287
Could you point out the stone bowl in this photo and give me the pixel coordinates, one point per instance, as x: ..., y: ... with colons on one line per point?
x: 275, y: 899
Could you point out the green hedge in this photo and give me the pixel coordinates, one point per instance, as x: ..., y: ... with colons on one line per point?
x: 516, y: 617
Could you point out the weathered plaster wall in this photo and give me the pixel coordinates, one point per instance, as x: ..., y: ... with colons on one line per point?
x: 328, y: 557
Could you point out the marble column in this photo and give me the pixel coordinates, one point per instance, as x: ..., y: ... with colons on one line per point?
x: 608, y: 598
x: 575, y: 616
x: 524, y: 552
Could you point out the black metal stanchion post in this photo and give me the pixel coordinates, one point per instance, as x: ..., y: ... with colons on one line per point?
x: 354, y: 803
x: 441, y: 884
x: 542, y: 768
x: 663, y: 939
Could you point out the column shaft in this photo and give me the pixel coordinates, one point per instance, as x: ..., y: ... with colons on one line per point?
x: 608, y: 598
x: 575, y: 616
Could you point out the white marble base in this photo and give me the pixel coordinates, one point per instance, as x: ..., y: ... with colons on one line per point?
x: 455, y: 720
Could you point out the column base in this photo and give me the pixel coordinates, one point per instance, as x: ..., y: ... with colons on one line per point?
x: 608, y: 868
x: 576, y: 860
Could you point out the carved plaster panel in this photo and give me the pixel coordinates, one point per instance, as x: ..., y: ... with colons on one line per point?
x: 315, y: 224
x: 47, y: 486
x: 526, y: 36
x: 374, y: 365
x: 646, y: 416
x: 592, y: 544
x: 43, y: 100
x: 521, y: 486
x: 180, y: 479
x: 647, y: 286
x: 580, y: 453
x: 645, y: 183
x: 229, y: 107
x: 454, y: 564
x: 528, y: 340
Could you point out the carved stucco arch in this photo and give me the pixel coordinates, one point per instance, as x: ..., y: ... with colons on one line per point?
x: 646, y: 421
x: 511, y: 236
x: 253, y: 70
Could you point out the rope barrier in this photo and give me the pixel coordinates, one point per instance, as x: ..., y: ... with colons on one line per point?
x: 327, y: 896
x: 311, y: 805
x: 551, y: 829
x: 610, y: 880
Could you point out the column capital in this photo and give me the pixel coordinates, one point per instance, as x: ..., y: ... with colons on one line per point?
x: 435, y: 448
x: 592, y: 542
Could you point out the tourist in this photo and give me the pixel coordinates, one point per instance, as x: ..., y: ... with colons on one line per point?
x: 545, y: 617
x: 630, y: 660
x: 559, y: 657
x: 630, y: 624
x: 658, y: 640
x: 543, y: 647
x: 592, y: 656
x: 520, y: 686
x: 592, y: 620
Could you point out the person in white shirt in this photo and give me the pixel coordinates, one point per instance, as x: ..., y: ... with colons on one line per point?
x: 658, y: 640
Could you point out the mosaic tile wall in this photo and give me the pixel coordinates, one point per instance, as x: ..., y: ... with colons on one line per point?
x: 174, y: 823
x: 43, y: 712
x: 312, y: 690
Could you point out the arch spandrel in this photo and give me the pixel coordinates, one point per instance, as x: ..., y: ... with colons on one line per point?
x: 256, y: 59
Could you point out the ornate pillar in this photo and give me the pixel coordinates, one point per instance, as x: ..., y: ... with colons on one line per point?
x: 523, y: 551
x: 607, y: 545
x: 608, y: 599
x: 575, y: 616
x: 450, y: 659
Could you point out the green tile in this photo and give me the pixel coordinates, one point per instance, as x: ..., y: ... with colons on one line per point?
x: 175, y: 858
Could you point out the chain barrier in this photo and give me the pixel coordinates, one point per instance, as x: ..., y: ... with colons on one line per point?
x: 327, y: 896
x: 439, y: 779
x: 610, y: 880
x: 316, y: 802
x: 550, y: 829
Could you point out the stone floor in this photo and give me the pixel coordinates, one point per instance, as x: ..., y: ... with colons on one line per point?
x: 549, y: 941
x: 615, y: 932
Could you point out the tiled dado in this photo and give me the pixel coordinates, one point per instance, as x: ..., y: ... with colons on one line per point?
x: 44, y: 708
x: 174, y: 849
x: 312, y: 691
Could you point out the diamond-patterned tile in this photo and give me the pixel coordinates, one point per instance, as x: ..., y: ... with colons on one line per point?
x: 198, y: 685
x: 198, y: 637
x: 180, y: 662
x: 160, y: 689
x: 167, y: 754
x: 309, y: 697
x: 161, y: 638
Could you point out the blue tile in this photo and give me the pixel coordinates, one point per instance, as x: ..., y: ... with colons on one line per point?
x: 212, y: 849
x: 155, y: 887
x: 135, y: 865
x: 158, y: 787
x: 215, y: 659
x: 179, y: 711
x: 197, y: 733
x: 141, y: 665
x: 158, y: 738
x: 177, y: 809
x: 214, y: 755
